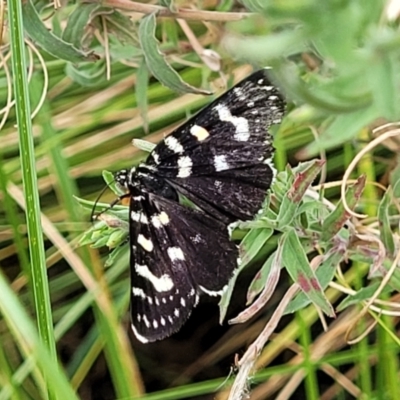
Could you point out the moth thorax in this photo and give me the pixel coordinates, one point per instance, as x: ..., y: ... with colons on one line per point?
x: 159, y: 186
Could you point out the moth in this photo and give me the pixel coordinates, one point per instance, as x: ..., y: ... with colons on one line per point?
x: 220, y: 161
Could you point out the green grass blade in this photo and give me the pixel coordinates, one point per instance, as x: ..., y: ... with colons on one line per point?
x: 47, y: 374
x: 27, y: 158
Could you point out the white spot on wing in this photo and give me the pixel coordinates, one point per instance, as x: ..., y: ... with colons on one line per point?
x: 135, y: 216
x: 176, y: 313
x: 139, y: 216
x: 217, y: 184
x: 138, y: 198
x: 164, y: 218
x: 241, y: 124
x: 158, y: 220
x: 220, y: 163
x: 156, y: 157
x: 162, y: 284
x: 173, y: 144
x: 138, y: 292
x: 143, y: 219
x: 212, y: 292
x: 155, y: 324
x: 183, y: 302
x: 139, y: 337
x: 270, y: 163
x: 147, y: 244
x: 185, y: 167
x: 239, y: 93
x: 175, y: 253
x: 200, y: 132
x: 146, y: 321
x: 196, y: 239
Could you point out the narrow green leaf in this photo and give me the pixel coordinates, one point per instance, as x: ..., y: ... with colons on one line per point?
x: 40, y: 283
x: 252, y: 243
x: 323, y: 97
x: 385, y: 230
x: 116, y: 238
x: 170, y: 30
x: 115, y: 254
x: 156, y: 62
x: 32, y: 347
x: 123, y: 28
x: 143, y: 145
x: 256, y: 239
x: 303, y: 179
x: 55, y: 46
x: 224, y: 5
x: 311, y: 207
x: 118, y: 210
x: 324, y: 273
x: 262, y: 49
x: 226, y: 297
x: 394, y: 177
x: 258, y: 282
x: 108, y: 177
x: 78, y: 22
x: 254, y: 5
x: 169, y: 4
x: 363, y: 255
x: 14, y: 218
x: 64, y: 185
x: 362, y: 295
x: 87, y: 74
x: 344, y: 128
x: 270, y: 283
x: 110, y: 182
x: 383, y: 79
x: 142, y: 84
x: 291, y: 201
x: 298, y: 267
x: 338, y: 217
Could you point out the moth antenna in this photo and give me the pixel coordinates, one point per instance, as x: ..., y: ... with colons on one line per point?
x: 94, y: 216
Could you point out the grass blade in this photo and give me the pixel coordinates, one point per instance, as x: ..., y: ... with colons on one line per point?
x: 32, y: 346
x: 27, y: 159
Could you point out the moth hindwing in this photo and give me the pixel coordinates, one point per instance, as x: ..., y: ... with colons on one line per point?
x: 221, y: 162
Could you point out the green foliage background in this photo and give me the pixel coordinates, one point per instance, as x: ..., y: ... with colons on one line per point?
x: 78, y: 82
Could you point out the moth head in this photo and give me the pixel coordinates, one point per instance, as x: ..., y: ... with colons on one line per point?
x: 121, y: 177
x: 126, y: 178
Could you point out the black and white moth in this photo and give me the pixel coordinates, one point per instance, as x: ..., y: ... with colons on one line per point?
x: 220, y: 160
